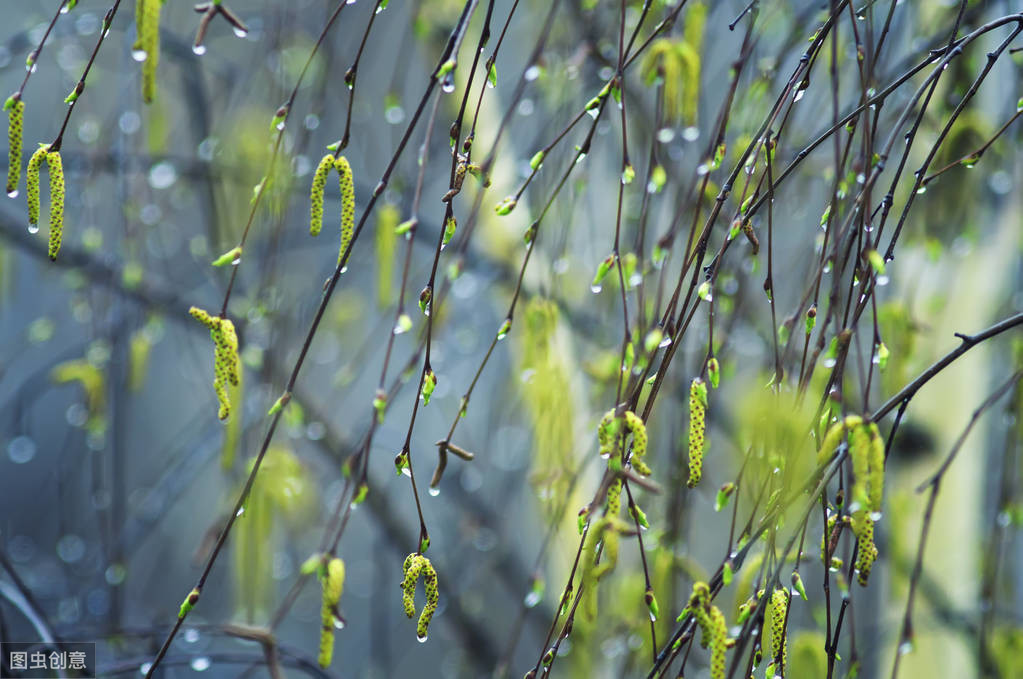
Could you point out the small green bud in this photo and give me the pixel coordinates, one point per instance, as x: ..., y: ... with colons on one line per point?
x: 506, y: 206
x: 380, y: 404
x: 279, y: 403
x: 429, y: 384
x: 713, y: 372
x: 537, y: 160
x: 505, y: 328
x: 727, y: 573
x: 797, y: 583
x: 705, y: 292
x: 883, y: 354
x: 360, y: 494
x: 602, y: 270
x: 232, y: 256
x: 653, y: 340
x: 651, y: 603
x: 628, y: 174
x: 188, y: 604
x: 449, y: 229
x: 724, y: 494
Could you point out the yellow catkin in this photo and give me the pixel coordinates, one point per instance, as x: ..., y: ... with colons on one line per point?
x: 859, y: 452
x: 32, y: 182
x: 56, y: 168
x: 834, y: 437
x: 697, y: 429
x: 606, y: 431
x: 614, y: 497
x: 875, y: 475
x: 333, y: 581
x: 713, y: 626
x: 774, y: 626
x: 416, y: 565
x: 316, y: 194
x: 147, y: 20
x: 639, y: 442
x: 226, y: 364
x: 347, y: 185
x: 866, y: 554
x: 15, y: 129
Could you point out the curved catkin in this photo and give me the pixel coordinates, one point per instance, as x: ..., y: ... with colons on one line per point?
x: 697, y: 429
x: 226, y: 362
x: 15, y: 128
x: 56, y: 202
x: 316, y: 194
x: 32, y: 182
x: 344, y: 171
x: 639, y: 442
x: 834, y: 437
x: 606, y: 431
x: 147, y: 21
x: 416, y: 565
x: 432, y: 598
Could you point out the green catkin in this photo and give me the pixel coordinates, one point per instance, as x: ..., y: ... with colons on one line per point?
x: 697, y: 429
x: 344, y: 171
x: 226, y: 361
x: 416, y: 565
x: 639, y: 442
x: 316, y: 194
x: 713, y: 626
x: 15, y: 128
x: 614, y: 497
x: 875, y: 475
x: 774, y: 626
x: 147, y: 24
x: 866, y: 554
x: 333, y: 580
x: 32, y: 182
x: 834, y: 437
x: 607, y: 434
x: 56, y: 168
x: 859, y: 451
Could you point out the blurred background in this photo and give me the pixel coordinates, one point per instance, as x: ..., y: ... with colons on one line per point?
x: 116, y: 475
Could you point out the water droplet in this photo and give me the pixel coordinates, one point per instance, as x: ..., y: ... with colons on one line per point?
x: 240, y: 32
x: 799, y: 95
x: 665, y: 342
x: 199, y: 49
x: 580, y: 158
x: 653, y: 618
x: 532, y: 73
x: 691, y: 133
x: 875, y: 516
x: 406, y: 471
x: 280, y: 125
x: 350, y: 2
x: 142, y: 55
x: 236, y: 261
x: 33, y: 228
x: 829, y: 363
x: 344, y: 268
x: 434, y: 491
x: 241, y: 510
x: 65, y: 9
x: 448, y: 84
x: 596, y: 288
x: 905, y: 647
x: 200, y: 663
x: 13, y: 193
x: 191, y: 635
x: 532, y: 599
x: 145, y: 667
x: 922, y: 189
x: 339, y: 623
x: 594, y: 112
x: 422, y: 639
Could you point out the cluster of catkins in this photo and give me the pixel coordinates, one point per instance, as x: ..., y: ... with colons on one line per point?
x: 417, y: 565
x: 327, y: 163
x: 867, y: 451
